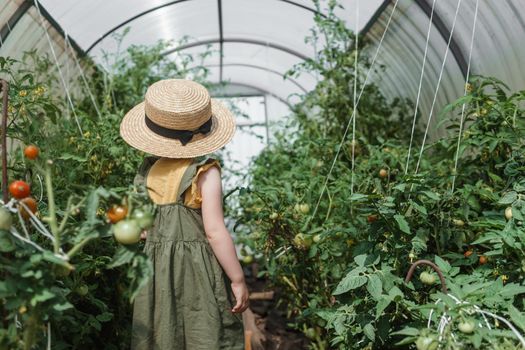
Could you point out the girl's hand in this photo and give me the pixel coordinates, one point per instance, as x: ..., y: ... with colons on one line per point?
x: 143, y: 234
x: 240, y: 291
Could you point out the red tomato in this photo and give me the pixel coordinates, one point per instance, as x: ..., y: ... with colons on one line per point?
x: 31, y: 204
x: 31, y: 152
x: 116, y: 213
x: 19, y: 189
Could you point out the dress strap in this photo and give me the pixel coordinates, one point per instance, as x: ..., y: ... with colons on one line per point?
x: 140, y: 177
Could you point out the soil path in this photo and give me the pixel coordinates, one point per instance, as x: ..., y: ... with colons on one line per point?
x: 269, y: 319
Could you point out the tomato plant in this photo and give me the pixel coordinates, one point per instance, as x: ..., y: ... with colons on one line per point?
x: 88, y: 306
x: 375, y: 216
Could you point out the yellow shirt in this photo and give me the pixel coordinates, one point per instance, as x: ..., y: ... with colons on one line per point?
x: 164, y: 177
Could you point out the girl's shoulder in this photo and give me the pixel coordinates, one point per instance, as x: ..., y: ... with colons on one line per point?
x: 193, y: 197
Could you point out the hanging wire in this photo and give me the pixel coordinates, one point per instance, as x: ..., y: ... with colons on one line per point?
x: 463, y: 108
x: 438, y: 85
x: 354, y: 113
x: 355, y: 105
x: 67, y: 79
x: 418, y: 98
x: 68, y: 96
x: 82, y: 75
x: 49, y: 336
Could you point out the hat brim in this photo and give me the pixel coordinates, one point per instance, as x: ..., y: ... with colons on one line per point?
x: 136, y: 133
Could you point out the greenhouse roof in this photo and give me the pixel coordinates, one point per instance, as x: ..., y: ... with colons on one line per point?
x: 426, y: 46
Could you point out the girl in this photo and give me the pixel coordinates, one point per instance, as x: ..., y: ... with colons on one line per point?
x: 197, y: 294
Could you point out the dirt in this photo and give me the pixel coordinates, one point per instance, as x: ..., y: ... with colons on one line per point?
x: 270, y: 319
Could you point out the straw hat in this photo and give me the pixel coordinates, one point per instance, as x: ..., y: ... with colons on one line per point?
x: 178, y: 119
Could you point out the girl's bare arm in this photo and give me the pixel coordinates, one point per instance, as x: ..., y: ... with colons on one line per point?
x: 220, y: 239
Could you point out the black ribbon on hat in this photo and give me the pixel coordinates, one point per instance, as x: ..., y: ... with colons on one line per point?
x: 184, y: 136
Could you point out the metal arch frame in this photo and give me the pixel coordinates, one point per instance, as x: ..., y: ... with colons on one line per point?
x: 293, y: 81
x: 221, y: 39
x: 238, y: 40
x: 22, y: 10
x: 131, y: 19
x: 263, y: 91
x: 438, y: 23
x: 13, y: 20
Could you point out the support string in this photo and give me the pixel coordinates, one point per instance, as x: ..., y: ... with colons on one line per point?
x: 354, y: 113
x: 438, y: 85
x: 463, y: 108
x: 68, y: 96
x: 338, y: 151
x: 422, y: 75
x: 83, y: 76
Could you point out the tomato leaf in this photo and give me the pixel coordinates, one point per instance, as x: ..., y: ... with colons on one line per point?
x: 369, y: 331
x: 402, y: 223
x: 374, y: 286
x: 349, y: 282
x: 508, y: 198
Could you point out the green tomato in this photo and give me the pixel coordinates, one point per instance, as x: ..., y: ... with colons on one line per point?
x: 248, y: 259
x: 458, y: 222
x: 274, y: 216
x: 304, y: 208
x: 427, y: 342
x: 310, y: 333
x: 6, y: 220
x: 466, y: 327
x: 127, y: 231
x: 61, y: 271
x: 143, y: 218
x: 82, y: 290
x: 427, y: 278
x: 302, y: 241
x: 508, y: 213
x: 317, y: 238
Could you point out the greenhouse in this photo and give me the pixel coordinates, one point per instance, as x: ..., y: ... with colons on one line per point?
x: 271, y: 174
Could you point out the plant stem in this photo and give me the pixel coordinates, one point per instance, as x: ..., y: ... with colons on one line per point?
x: 76, y: 248
x: 52, y: 210
x: 70, y: 209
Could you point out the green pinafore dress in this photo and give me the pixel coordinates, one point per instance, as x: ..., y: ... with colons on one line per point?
x: 187, y: 303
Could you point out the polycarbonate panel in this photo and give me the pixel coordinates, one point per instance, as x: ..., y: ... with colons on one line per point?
x: 500, y: 31
x: 7, y: 9
x: 367, y: 8
x: 267, y: 83
x: 202, y: 55
x: 402, y: 55
x: 267, y: 59
x: 29, y: 35
x: 248, y: 141
x: 275, y: 22
x: 276, y: 111
x: 86, y: 21
x: 173, y: 23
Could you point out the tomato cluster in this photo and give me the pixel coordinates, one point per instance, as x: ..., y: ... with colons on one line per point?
x: 21, y: 191
x: 128, y: 230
